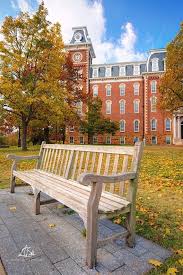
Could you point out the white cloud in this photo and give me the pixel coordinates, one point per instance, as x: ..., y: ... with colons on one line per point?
x: 23, y: 5
x: 73, y: 13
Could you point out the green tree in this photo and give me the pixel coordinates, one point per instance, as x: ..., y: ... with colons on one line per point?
x: 33, y: 69
x: 171, y: 87
x: 95, y: 123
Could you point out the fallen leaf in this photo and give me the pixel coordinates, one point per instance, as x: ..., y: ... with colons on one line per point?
x: 181, y: 261
x: 172, y: 271
x: 13, y: 208
x: 60, y: 206
x: 181, y: 227
x: 179, y: 252
x: 117, y: 221
x: 51, y: 225
x: 154, y: 262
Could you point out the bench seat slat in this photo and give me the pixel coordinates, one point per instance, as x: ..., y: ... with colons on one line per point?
x: 62, y: 186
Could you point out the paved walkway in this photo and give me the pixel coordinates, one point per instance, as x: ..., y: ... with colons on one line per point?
x: 60, y: 249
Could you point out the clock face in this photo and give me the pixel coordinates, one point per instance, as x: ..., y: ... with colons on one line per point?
x: 78, y: 36
x: 77, y: 57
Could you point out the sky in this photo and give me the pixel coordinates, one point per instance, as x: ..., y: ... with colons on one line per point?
x: 120, y: 30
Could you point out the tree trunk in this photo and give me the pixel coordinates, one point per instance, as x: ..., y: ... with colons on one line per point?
x: 24, y: 135
x: 90, y: 139
x: 46, y: 135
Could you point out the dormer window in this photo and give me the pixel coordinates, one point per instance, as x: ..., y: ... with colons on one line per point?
x: 95, y: 72
x: 136, y: 70
x: 108, y: 72
x: 155, y: 65
x: 122, y: 71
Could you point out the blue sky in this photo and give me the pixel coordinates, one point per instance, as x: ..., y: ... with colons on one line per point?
x: 121, y: 30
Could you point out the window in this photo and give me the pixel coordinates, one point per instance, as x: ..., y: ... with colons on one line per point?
x: 168, y: 124
x: 154, y: 140
x: 71, y: 128
x: 95, y: 140
x: 153, y: 103
x: 136, y: 103
x: 108, y: 72
x: 81, y: 140
x: 155, y: 65
x: 136, y: 70
x: 71, y: 140
x: 95, y: 72
x: 95, y: 91
x: 153, y: 124
x: 153, y: 86
x: 122, y: 125
x: 108, y: 140
x: 108, y: 90
x: 136, y: 88
x: 122, y: 106
x: 79, y: 106
x: 122, y: 89
x: 136, y: 125
x: 122, y: 140
x: 122, y: 71
x: 108, y: 107
x: 168, y: 140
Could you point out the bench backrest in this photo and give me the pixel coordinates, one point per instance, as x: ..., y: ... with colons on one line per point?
x: 69, y: 161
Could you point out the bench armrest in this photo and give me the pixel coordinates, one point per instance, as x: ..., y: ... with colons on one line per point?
x: 19, y: 158
x: 87, y: 178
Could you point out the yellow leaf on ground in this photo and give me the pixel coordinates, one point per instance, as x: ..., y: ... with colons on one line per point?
x: 181, y: 261
x: 117, y: 221
x: 51, y: 225
x: 181, y: 227
x: 172, y: 271
x: 179, y: 252
x: 13, y: 208
x: 154, y: 262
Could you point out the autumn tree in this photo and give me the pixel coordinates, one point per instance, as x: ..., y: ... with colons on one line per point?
x: 95, y: 123
x: 34, y: 69
x: 171, y: 87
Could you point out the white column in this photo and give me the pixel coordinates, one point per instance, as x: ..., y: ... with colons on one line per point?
x: 179, y: 128
x: 174, y: 127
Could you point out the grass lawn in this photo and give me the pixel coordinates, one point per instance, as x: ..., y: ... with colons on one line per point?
x: 159, y: 202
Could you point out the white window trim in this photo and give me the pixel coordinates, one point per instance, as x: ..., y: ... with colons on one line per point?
x: 71, y: 128
x: 124, y: 101
x: 106, y: 89
x: 156, y: 140
x: 70, y: 140
x: 107, y: 138
x: 135, y: 85
x: 136, y: 70
x: 170, y: 140
x: 122, y: 120
x: 108, y: 102
x: 121, y: 139
x: 155, y: 124
x: 94, y: 91
x: 122, y: 71
x: 95, y: 72
x: 134, y: 102
x: 151, y: 104
x: 83, y: 140
x: 155, y: 64
x: 138, y: 126
x: 153, y: 82
x: 122, y: 85
x: 108, y: 71
x: 170, y: 124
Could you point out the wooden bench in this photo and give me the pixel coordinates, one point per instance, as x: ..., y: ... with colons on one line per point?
x: 95, y: 181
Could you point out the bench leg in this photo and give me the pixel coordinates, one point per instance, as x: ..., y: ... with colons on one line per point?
x: 91, y: 240
x: 12, y: 184
x: 37, y: 202
x: 131, y: 222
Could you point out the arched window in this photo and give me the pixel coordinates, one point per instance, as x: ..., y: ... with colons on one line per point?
x: 108, y: 107
x: 122, y: 89
x: 153, y: 86
x: 108, y: 90
x: 122, y: 106
x: 153, y: 124
x: 95, y: 90
x: 136, y: 103
x: 153, y: 100
x: 136, y: 125
x: 136, y: 86
x: 155, y: 64
x: 168, y: 124
x: 122, y: 125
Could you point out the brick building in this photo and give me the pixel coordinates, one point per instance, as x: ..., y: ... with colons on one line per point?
x: 129, y: 93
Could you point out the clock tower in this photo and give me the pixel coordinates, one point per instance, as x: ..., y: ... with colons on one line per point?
x: 81, y: 52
